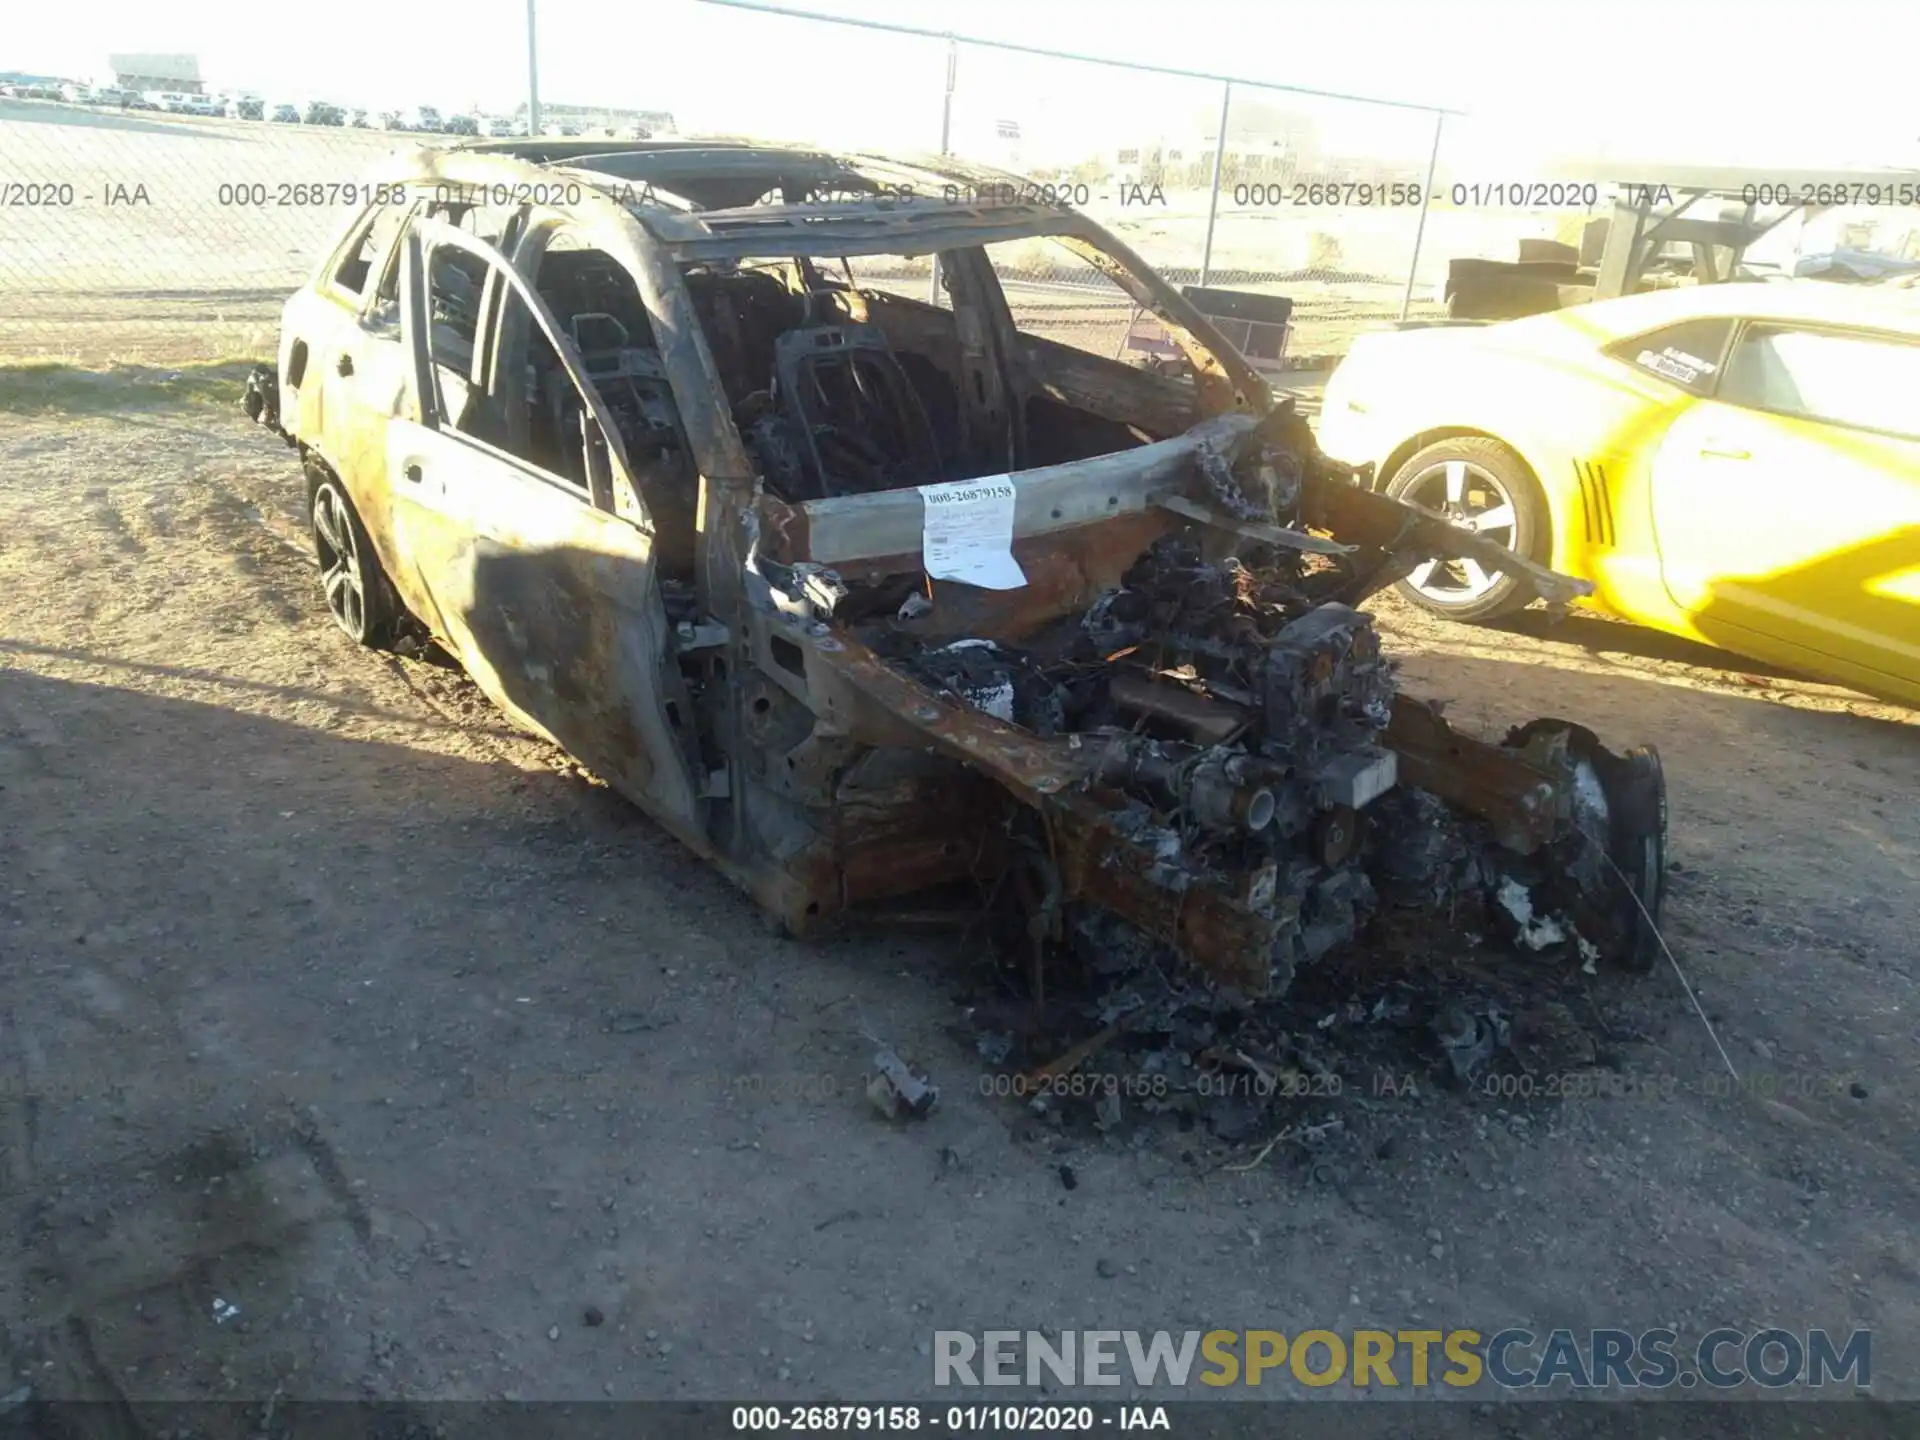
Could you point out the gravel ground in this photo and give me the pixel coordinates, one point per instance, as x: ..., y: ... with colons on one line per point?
x: 329, y: 997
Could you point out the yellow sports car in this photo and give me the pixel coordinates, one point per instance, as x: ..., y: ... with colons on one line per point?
x: 1739, y: 463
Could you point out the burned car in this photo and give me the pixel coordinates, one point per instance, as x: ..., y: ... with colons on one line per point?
x: 862, y: 590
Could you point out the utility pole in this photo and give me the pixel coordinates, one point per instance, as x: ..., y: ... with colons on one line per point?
x: 1213, y: 195
x: 533, y: 74
x: 1420, y: 229
x: 946, y: 148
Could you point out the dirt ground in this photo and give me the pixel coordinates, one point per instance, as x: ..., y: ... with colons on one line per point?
x: 328, y: 997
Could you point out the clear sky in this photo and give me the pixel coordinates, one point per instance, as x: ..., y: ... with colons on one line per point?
x: 1756, y: 83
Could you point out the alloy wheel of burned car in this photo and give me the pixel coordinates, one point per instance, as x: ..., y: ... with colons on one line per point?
x: 863, y: 596
x: 351, y: 580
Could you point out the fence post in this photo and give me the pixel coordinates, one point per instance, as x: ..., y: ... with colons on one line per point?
x: 1426, y: 198
x: 946, y: 145
x: 533, y: 75
x: 1213, y: 199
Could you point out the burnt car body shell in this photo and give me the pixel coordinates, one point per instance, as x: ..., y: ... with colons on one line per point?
x: 759, y: 729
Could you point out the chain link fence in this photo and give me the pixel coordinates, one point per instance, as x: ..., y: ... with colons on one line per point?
x: 1137, y: 150
x: 137, y: 235
x: 140, y: 236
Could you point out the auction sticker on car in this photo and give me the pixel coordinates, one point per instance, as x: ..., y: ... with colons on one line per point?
x: 1677, y: 365
x: 968, y: 533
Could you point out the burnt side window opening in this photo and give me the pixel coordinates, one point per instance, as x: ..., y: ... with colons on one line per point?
x: 518, y: 411
x: 495, y: 224
x: 597, y: 304
x: 1058, y: 296
x: 373, y: 244
x: 838, y: 387
x: 1095, y: 372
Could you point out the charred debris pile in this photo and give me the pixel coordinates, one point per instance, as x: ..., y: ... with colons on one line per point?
x: 1231, y: 717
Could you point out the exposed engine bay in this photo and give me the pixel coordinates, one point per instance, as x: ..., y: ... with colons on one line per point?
x: 1239, y: 731
x: 1244, y: 770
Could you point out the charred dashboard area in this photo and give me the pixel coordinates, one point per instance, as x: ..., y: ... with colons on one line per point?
x: 841, y: 389
x: 825, y: 401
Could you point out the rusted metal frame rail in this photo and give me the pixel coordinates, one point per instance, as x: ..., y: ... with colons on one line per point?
x: 1206, y: 920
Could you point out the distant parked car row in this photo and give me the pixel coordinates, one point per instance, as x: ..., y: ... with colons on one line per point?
x: 171, y: 102
x: 418, y: 119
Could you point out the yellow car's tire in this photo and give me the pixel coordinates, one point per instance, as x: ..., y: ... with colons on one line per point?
x: 1480, y: 482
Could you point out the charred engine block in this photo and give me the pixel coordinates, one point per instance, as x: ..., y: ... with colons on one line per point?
x: 1233, y: 724
x: 1246, y: 659
x: 1325, y: 691
x: 1281, y: 794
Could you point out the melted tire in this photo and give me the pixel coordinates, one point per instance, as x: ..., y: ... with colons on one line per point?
x: 1635, y: 788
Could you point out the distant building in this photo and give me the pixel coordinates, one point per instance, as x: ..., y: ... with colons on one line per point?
x: 177, y: 74
x: 987, y: 138
x: 1265, y: 142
